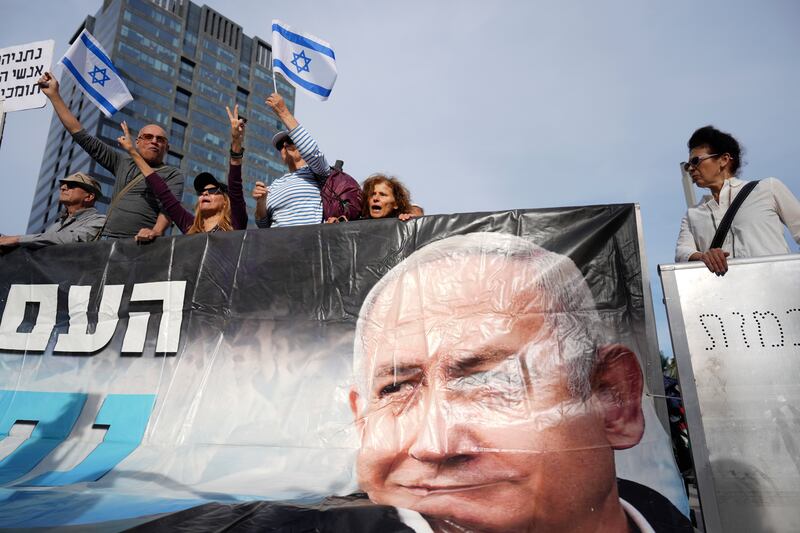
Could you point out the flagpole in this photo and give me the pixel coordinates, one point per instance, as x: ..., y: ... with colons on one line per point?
x: 274, y: 81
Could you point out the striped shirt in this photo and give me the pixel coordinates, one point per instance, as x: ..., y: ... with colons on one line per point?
x: 294, y: 198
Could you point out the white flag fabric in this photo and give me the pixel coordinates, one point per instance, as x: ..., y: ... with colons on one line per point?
x: 306, y: 61
x: 96, y: 75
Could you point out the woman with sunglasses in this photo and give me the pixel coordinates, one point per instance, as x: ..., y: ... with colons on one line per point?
x: 219, y: 207
x: 715, y: 158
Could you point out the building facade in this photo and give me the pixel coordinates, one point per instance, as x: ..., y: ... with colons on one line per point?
x: 183, y: 64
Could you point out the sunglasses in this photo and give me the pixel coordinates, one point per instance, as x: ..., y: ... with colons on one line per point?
x: 211, y: 190
x: 696, y: 160
x: 285, y: 144
x: 147, y: 137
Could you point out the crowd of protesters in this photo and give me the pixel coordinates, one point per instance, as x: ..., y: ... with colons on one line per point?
x: 146, y: 195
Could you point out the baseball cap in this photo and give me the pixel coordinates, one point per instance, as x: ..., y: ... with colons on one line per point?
x: 204, y: 179
x: 85, y: 182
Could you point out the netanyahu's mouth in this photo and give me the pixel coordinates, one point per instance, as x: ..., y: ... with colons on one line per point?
x: 429, y: 490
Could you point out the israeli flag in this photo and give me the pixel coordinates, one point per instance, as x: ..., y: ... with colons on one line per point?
x: 306, y: 61
x: 95, y: 73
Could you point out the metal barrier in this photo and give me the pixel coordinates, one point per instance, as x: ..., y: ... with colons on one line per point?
x: 736, y: 341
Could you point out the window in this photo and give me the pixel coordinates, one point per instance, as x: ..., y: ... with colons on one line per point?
x: 145, y: 10
x: 174, y: 159
x: 219, y: 66
x: 150, y: 44
x: 182, y: 102
x: 264, y: 55
x: 190, y: 43
x: 164, y: 36
x: 187, y: 71
x: 130, y: 71
x: 143, y: 57
x: 241, y: 99
x: 177, y: 133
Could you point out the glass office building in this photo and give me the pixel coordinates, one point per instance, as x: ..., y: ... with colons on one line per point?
x: 183, y: 64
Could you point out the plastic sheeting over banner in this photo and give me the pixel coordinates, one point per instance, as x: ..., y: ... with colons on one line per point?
x: 464, y: 372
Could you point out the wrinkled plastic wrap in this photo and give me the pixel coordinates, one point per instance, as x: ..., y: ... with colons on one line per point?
x: 469, y: 372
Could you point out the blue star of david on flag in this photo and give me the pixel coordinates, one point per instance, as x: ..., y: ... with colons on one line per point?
x: 99, y: 75
x: 301, y: 58
x: 292, y: 54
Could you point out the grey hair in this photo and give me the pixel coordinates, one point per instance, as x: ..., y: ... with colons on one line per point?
x: 568, y: 305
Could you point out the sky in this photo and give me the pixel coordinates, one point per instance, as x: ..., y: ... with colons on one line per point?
x: 488, y: 106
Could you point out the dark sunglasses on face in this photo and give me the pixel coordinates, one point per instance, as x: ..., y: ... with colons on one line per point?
x: 147, y: 137
x: 72, y: 185
x: 211, y: 190
x: 696, y: 160
x: 286, y: 144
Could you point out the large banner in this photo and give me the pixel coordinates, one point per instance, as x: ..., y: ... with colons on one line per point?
x: 476, y: 372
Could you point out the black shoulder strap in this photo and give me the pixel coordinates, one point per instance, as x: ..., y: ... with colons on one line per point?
x: 727, y: 220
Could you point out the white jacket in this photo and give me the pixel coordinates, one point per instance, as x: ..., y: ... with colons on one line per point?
x: 757, y: 228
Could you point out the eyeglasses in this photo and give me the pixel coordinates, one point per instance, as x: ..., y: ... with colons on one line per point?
x: 211, y: 190
x: 285, y: 144
x: 147, y: 137
x: 696, y: 160
x: 71, y: 185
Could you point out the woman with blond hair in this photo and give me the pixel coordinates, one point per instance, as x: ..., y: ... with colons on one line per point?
x: 220, y: 207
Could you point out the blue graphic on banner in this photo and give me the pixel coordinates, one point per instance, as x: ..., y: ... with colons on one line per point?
x: 126, y: 416
x: 52, y: 508
x: 54, y: 413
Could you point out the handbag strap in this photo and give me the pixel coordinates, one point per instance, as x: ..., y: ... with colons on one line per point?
x: 727, y: 220
x: 117, y: 197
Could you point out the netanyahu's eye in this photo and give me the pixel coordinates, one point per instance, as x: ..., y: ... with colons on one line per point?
x: 395, y: 387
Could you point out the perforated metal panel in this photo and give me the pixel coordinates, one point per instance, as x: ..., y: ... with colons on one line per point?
x: 736, y: 340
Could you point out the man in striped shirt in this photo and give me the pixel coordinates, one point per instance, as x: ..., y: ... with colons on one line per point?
x: 293, y: 199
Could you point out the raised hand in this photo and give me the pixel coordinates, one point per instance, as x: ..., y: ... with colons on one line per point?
x: 260, y: 193
x: 278, y: 106
x: 125, y: 139
x: 276, y: 103
x: 48, y: 84
x: 237, y: 125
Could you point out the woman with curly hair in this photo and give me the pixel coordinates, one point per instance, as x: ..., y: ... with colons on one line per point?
x: 715, y: 158
x: 387, y: 197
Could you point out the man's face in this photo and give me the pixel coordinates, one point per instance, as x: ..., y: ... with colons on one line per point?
x: 152, y: 144
x: 461, y: 419
x: 72, y: 194
x: 289, y: 153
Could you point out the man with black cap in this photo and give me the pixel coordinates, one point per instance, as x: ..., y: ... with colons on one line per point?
x: 293, y: 199
x: 79, y: 222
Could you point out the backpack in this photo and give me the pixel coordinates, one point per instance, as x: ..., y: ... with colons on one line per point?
x: 341, y: 195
